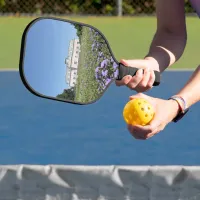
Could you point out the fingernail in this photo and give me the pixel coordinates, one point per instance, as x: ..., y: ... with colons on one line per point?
x: 127, y: 79
x: 147, y: 69
x: 140, y: 71
x: 124, y: 62
x: 149, y: 136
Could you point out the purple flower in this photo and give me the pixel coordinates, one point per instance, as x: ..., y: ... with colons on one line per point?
x: 104, y: 73
x: 93, y: 45
x: 101, y: 83
x: 115, y: 65
x: 97, y: 69
x: 116, y: 73
x: 100, y: 54
x: 96, y: 76
x: 108, y: 80
x: 104, y: 87
x: 98, y: 59
x: 104, y: 63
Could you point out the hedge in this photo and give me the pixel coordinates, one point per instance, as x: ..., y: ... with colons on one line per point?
x: 99, y: 7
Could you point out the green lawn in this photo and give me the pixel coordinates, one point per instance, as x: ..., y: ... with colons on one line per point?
x: 96, y: 67
x: 86, y: 72
x: 128, y: 38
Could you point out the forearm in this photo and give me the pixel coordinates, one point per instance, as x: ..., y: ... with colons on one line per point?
x: 167, y: 48
x: 170, y: 39
x: 191, y: 91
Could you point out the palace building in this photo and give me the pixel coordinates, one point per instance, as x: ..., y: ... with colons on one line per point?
x: 72, y: 62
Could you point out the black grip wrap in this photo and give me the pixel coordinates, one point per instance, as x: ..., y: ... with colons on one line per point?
x: 124, y: 71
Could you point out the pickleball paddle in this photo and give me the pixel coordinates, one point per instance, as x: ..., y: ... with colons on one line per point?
x: 69, y: 61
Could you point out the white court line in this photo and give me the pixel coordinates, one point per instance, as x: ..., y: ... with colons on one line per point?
x: 180, y: 70
x: 9, y: 70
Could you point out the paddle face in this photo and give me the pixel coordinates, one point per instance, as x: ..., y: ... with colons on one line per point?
x: 66, y: 61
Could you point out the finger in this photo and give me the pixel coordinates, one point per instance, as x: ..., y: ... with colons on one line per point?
x: 156, y: 122
x: 125, y: 80
x: 156, y: 131
x: 130, y: 128
x: 145, y: 79
x: 130, y: 63
x: 134, y: 63
x: 125, y: 62
x: 138, y: 95
x: 156, y: 127
x: 136, y: 79
x: 134, y: 134
x: 147, y: 89
x: 138, y: 136
x: 151, y: 79
x: 144, y: 130
x: 142, y: 89
x: 146, y: 134
x: 147, y: 83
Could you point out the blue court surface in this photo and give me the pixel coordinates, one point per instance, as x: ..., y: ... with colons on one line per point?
x: 40, y: 131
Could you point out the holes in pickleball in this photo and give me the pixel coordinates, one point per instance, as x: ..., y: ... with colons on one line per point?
x: 146, y: 115
x: 142, y: 109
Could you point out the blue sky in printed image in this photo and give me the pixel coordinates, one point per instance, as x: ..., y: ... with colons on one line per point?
x: 46, y: 49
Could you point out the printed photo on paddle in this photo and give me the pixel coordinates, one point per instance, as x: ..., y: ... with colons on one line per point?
x: 89, y: 66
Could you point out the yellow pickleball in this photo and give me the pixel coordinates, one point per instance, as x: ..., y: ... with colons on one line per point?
x: 138, y: 112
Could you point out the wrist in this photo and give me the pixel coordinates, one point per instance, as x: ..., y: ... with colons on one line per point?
x: 175, y: 108
x: 154, y: 63
x: 182, y: 107
x: 162, y: 57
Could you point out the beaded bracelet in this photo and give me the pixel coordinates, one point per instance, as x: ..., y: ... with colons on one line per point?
x: 179, y: 99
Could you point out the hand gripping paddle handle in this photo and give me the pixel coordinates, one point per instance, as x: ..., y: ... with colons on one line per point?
x: 124, y: 71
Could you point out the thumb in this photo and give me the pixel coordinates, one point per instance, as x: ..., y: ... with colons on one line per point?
x: 151, y: 128
x: 138, y: 95
x: 134, y: 63
x: 156, y: 122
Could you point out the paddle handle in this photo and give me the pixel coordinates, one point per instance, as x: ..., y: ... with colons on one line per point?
x: 124, y: 71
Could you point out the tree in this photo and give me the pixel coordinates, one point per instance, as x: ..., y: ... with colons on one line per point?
x: 79, y: 29
x: 102, y: 7
x: 68, y: 94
